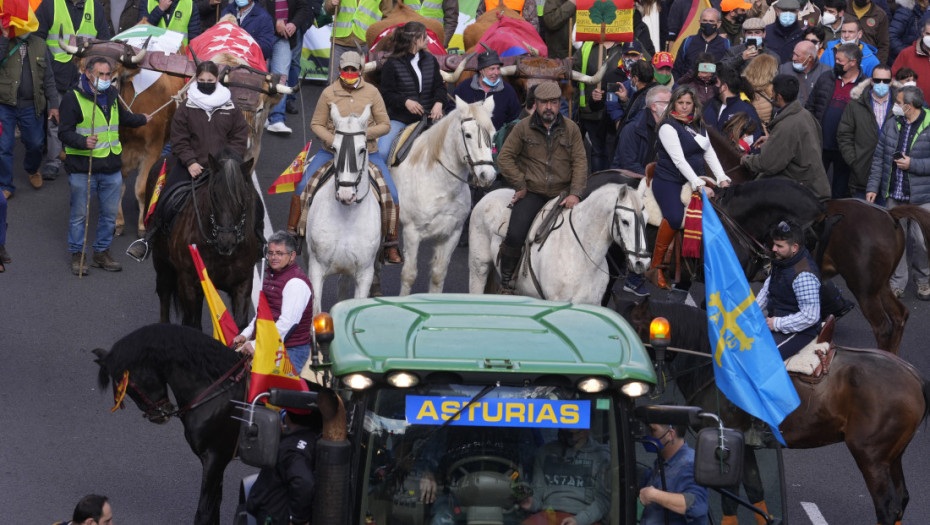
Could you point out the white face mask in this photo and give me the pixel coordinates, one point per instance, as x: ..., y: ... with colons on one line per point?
x: 898, y: 110
x: 828, y: 19
x: 926, y: 41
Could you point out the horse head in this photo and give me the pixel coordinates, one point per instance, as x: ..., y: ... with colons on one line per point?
x: 351, y: 160
x: 143, y: 385
x: 231, y: 201
x: 475, y: 146
x: 629, y: 228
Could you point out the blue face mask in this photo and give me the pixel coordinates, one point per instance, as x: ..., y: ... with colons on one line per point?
x: 880, y: 89
x: 651, y: 444
x: 242, y: 3
x: 787, y: 18
x: 103, y: 85
x: 488, y: 82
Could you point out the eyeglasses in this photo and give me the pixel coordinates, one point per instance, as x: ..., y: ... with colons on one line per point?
x: 882, y: 80
x: 813, y: 41
x: 278, y: 254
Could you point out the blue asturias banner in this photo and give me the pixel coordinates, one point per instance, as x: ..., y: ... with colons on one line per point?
x: 747, y: 366
x: 499, y: 412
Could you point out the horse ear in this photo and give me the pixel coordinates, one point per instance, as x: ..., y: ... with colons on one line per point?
x: 460, y: 104
x: 489, y: 105
x: 246, y: 167
x: 366, y: 114
x: 334, y: 112
x: 103, y: 375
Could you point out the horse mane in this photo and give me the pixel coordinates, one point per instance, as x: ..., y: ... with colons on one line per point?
x: 794, y: 196
x: 233, y: 181
x: 434, y: 139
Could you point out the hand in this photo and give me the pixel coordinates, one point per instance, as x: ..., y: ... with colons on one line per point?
x: 91, y: 141
x: 413, y: 106
x: 427, y: 488
x: 4, y: 31
x: 290, y: 28
x: 517, y: 196
x: 760, y: 142
x: 335, y: 3
x: 904, y: 163
x: 195, y: 169
x: 708, y: 191
x: 647, y: 495
x: 246, y: 349
x: 164, y: 5
x: 436, y: 112
x: 750, y: 52
x: 621, y: 93
x: 238, y: 341
x: 870, y: 196
x: 53, y: 115
x: 148, y: 117
x: 723, y: 184
x: 570, y: 201
x: 597, y: 95
x: 279, y: 28
x: 569, y: 521
x: 770, y: 321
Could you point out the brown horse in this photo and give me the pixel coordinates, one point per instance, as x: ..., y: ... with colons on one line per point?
x: 871, y: 400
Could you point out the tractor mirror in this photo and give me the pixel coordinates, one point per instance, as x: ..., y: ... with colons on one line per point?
x: 258, y: 440
x: 718, y: 457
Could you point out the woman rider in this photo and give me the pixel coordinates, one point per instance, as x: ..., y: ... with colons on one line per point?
x: 683, y: 149
x: 203, y: 126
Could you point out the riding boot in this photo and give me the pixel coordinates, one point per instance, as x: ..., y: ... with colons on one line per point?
x: 139, y: 249
x: 833, y: 302
x: 294, y: 217
x: 663, y: 240
x: 510, y: 257
x: 391, y: 253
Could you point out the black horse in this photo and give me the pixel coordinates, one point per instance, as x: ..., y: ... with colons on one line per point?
x: 220, y: 219
x: 204, y: 377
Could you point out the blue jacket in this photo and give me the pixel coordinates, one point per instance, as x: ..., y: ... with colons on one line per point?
x: 918, y: 175
x: 905, y: 27
x: 693, y: 46
x: 193, y: 25
x: 734, y: 105
x: 636, y: 146
x: 258, y: 23
x: 506, y: 104
x: 781, y: 40
x: 869, y: 60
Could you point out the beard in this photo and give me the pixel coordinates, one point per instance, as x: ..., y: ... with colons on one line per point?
x: 548, y: 116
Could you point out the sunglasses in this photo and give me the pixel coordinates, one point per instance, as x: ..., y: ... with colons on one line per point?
x: 882, y: 80
x: 815, y: 42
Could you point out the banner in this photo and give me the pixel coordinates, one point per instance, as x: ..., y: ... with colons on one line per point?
x: 601, y: 20
x: 224, y: 328
x: 19, y: 16
x: 288, y: 180
x: 271, y: 367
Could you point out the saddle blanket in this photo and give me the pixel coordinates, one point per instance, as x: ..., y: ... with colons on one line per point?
x: 382, y: 194
x: 806, y: 360
x: 654, y: 213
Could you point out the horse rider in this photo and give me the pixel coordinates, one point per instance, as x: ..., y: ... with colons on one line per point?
x: 290, y: 297
x: 683, y: 148
x: 350, y: 93
x: 790, y: 296
x: 542, y: 157
x: 487, y: 82
x: 201, y: 127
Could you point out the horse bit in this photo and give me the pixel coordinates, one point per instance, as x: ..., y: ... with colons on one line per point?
x: 468, y: 157
x: 215, y: 229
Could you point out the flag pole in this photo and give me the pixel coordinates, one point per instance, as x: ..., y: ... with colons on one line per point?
x: 90, y: 168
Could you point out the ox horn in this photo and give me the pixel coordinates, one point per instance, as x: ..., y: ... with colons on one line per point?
x: 135, y: 59
x: 452, y: 78
x: 371, y: 66
x: 63, y: 44
x: 284, y: 90
x: 509, y: 71
x: 587, y: 79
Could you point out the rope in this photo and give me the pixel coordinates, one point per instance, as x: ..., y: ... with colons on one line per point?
x: 176, y: 98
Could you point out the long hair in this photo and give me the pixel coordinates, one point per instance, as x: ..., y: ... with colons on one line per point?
x: 405, y: 37
x: 686, y: 90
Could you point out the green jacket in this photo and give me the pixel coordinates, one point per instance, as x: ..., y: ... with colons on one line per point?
x: 11, y: 73
x: 544, y: 161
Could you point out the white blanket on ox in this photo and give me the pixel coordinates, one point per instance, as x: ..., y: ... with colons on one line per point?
x: 652, y: 207
x: 807, y: 360
x: 161, y: 40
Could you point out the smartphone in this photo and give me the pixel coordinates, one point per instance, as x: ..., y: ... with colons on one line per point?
x: 612, y: 87
x: 898, y: 155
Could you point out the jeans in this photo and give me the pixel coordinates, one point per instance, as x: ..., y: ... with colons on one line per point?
x: 32, y: 130
x: 384, y: 143
x: 914, y: 251
x: 281, y: 58
x: 298, y: 356
x: 107, y: 186
x: 323, y: 156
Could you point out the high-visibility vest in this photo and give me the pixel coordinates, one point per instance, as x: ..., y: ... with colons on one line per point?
x: 585, y: 53
x: 62, y: 23
x: 107, y: 132
x: 354, y: 17
x: 180, y: 19
x: 516, y: 5
x: 427, y: 8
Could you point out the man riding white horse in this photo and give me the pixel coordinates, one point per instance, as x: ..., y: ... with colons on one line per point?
x: 542, y: 158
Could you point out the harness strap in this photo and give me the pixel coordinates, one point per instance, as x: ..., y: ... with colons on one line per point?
x: 202, y: 397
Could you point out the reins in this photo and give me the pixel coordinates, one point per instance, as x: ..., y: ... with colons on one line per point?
x: 468, y: 157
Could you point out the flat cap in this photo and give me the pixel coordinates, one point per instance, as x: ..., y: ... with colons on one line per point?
x: 548, y: 90
x: 753, y: 23
x: 792, y: 5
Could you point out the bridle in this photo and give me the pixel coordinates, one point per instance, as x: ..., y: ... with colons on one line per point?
x: 216, y: 229
x: 639, y: 225
x: 472, y: 164
x: 352, y: 161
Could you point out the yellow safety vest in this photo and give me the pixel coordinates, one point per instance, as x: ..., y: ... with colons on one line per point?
x: 516, y: 5
x: 427, y: 8
x: 63, y: 24
x: 180, y: 19
x: 354, y: 17
x: 585, y: 53
x: 107, y: 132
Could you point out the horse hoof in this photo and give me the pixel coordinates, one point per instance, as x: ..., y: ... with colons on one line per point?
x: 141, y: 232
x: 118, y: 231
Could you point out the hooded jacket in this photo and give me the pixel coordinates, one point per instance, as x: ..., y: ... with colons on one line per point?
x: 869, y: 58
x: 918, y: 175
x: 858, y: 133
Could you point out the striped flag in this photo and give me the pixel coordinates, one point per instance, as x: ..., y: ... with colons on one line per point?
x: 691, y: 25
x: 159, y: 185
x: 224, y: 328
x: 292, y: 175
x: 19, y: 16
x: 271, y: 367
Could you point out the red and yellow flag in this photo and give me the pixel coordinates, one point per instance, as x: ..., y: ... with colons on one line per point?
x: 691, y: 25
x: 19, y: 16
x: 159, y: 185
x: 271, y: 366
x: 224, y: 328
x: 291, y: 176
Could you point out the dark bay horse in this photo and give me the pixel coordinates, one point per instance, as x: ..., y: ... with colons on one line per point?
x: 871, y: 400
x: 220, y: 220
x: 204, y: 377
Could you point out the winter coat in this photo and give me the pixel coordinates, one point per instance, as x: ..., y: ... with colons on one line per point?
x: 693, y: 46
x: 869, y: 58
x: 258, y: 24
x: 823, y: 92
x: 792, y: 151
x: 905, y: 28
x: 195, y: 135
x: 637, y: 144
x: 301, y: 13
x: 874, y: 29
x: 807, y: 80
x: 542, y: 161
x: 734, y: 57
x: 858, y: 134
x: 918, y: 175
x: 399, y: 83
x: 916, y: 58
x: 781, y: 40
x: 350, y: 102
x: 557, y: 17
x: 507, y: 105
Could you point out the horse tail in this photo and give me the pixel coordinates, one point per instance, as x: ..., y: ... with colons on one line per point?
x: 916, y: 214
x: 103, y: 375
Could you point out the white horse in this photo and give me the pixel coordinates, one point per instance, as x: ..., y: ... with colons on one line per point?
x: 344, y: 221
x: 432, y: 184
x: 570, y: 265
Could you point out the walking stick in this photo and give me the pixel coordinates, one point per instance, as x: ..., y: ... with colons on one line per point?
x: 332, y: 45
x: 90, y: 170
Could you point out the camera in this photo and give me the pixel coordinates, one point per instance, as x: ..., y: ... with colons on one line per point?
x: 613, y: 86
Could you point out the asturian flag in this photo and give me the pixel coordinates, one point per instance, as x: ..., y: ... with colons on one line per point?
x: 747, y: 366
x: 271, y: 367
x: 227, y: 37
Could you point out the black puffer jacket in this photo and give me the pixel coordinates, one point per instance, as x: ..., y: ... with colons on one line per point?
x: 399, y: 83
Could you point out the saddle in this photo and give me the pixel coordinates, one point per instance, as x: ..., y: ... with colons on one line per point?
x: 173, y: 201
x: 403, y: 142
x: 812, y: 363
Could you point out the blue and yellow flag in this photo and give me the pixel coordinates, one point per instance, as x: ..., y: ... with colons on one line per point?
x: 747, y: 366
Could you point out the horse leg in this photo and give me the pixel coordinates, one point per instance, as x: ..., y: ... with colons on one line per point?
x: 363, y: 280
x: 876, y: 315
x: 900, y: 487
x: 191, y: 299
x: 166, y: 282
x: 375, y: 289
x: 479, y: 262
x: 878, y: 480
x: 897, y: 315
x: 343, y: 287
x: 442, y: 254
x: 211, y: 487
x: 408, y: 273
x: 316, y: 276
x: 241, y: 298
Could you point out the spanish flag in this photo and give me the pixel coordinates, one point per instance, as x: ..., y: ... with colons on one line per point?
x: 224, y: 328
x: 271, y: 366
x: 159, y: 185
x: 691, y: 26
x: 19, y: 16
x: 291, y: 176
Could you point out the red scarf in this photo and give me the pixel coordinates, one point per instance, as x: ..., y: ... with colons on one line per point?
x: 691, y: 245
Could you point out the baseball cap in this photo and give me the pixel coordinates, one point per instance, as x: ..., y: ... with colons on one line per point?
x: 728, y: 5
x: 663, y: 59
x: 350, y: 58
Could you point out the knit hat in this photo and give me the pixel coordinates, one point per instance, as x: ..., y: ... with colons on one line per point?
x: 548, y: 90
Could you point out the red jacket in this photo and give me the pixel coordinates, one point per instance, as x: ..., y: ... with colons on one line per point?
x: 916, y: 58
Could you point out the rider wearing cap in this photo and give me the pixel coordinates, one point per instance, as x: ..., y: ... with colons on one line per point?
x: 543, y: 157
x: 489, y: 83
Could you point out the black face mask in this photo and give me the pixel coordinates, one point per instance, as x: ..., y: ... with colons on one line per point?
x: 838, y: 70
x: 739, y: 19
x: 207, y: 88
x: 708, y: 29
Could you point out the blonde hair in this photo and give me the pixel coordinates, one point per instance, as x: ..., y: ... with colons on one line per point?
x: 760, y: 71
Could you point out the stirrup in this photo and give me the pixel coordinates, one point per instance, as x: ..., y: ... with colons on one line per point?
x: 144, y: 255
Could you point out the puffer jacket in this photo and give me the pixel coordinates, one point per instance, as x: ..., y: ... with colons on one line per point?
x: 399, y: 82
x: 905, y: 27
x: 857, y: 134
x: 543, y: 161
x: 918, y: 175
x: 869, y: 57
x: 822, y: 93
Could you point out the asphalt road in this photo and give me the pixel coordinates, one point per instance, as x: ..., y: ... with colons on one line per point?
x: 58, y: 440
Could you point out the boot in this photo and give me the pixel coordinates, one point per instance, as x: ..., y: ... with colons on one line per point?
x: 391, y: 253
x: 103, y: 260
x: 729, y: 520
x: 4, y: 256
x: 294, y: 217
x: 759, y: 519
x: 76, y: 267
x: 833, y: 302
x: 139, y: 249
x: 510, y: 257
x: 663, y: 240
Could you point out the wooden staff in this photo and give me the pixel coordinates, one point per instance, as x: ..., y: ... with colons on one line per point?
x: 90, y: 170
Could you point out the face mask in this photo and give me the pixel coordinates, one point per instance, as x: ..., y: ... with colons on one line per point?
x: 651, y: 444
x: 488, y: 82
x: 207, y: 88
x: 926, y: 41
x: 828, y: 19
x: 103, y: 85
x: 662, y: 78
x: 861, y: 3
x: 798, y: 66
x: 350, y: 79
x: 898, y: 110
x: 853, y: 41
x: 708, y: 29
x: 787, y: 18
x: 754, y: 41
x: 628, y: 63
x: 880, y: 89
x: 242, y: 3
x: 838, y: 70
x: 739, y: 19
